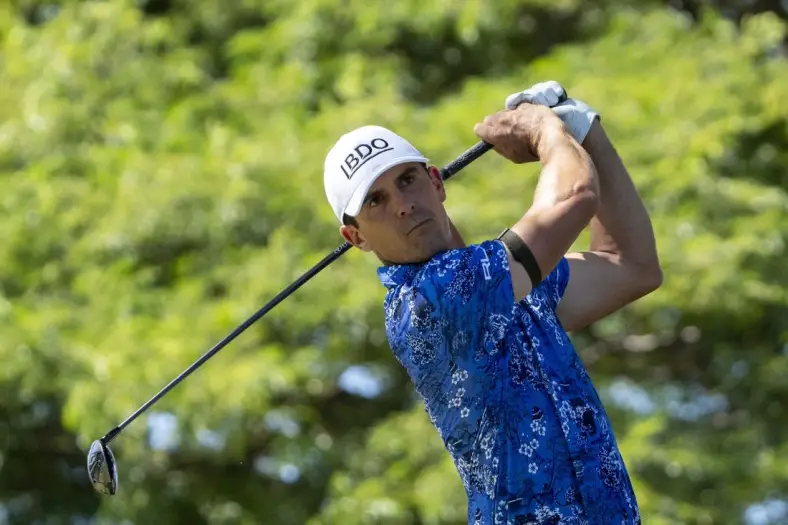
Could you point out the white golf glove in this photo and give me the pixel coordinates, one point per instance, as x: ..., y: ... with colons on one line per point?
x: 577, y: 116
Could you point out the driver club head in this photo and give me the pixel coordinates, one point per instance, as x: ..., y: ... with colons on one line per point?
x: 102, y: 468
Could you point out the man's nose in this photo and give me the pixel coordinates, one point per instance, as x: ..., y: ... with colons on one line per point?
x: 405, y: 206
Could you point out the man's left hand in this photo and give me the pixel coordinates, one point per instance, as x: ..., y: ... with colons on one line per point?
x: 577, y: 116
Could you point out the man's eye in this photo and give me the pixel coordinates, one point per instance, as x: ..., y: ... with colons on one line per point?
x: 407, y: 179
x: 373, y: 201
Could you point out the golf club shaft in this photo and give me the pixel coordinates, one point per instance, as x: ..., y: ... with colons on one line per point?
x: 447, y: 172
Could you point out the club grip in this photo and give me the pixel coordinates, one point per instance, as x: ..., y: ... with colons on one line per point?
x: 471, y: 154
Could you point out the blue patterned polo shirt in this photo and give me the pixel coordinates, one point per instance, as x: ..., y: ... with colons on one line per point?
x: 506, y: 390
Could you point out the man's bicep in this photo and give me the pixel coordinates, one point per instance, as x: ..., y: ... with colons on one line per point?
x: 601, y: 283
x: 549, y: 232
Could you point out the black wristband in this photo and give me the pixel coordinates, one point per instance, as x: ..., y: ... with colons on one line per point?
x: 522, y: 254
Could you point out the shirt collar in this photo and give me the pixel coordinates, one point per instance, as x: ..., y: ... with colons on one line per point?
x: 397, y: 274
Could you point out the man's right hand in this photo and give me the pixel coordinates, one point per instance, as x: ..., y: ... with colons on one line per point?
x: 519, y: 134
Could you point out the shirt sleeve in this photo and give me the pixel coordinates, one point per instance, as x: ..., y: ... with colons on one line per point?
x: 472, y: 290
x: 554, y: 285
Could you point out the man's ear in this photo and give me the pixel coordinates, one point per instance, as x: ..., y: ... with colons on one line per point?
x: 352, y: 235
x: 437, y: 181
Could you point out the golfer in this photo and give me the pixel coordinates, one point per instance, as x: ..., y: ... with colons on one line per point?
x: 482, y: 329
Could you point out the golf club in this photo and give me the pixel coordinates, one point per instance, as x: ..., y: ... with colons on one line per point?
x: 103, y: 470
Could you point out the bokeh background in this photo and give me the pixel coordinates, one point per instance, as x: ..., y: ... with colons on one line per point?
x: 161, y: 179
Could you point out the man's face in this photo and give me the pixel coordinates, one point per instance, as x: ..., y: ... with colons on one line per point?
x: 403, y: 219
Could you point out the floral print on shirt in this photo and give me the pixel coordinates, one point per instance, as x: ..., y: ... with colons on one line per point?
x: 506, y: 391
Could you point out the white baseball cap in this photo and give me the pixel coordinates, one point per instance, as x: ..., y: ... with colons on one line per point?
x: 356, y: 161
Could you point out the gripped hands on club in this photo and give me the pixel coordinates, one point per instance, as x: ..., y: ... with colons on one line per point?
x: 517, y: 132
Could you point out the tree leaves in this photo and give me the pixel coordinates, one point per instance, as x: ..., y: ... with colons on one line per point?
x: 160, y: 173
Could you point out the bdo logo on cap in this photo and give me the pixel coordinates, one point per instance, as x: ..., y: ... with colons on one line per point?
x: 363, y: 153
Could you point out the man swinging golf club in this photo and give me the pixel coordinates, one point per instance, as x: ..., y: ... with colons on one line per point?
x: 482, y: 329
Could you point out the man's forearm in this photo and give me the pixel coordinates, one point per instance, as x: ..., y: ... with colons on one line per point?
x: 567, y: 170
x: 621, y: 224
x: 565, y: 199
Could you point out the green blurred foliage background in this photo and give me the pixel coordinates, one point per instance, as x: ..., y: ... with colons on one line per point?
x: 161, y: 179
